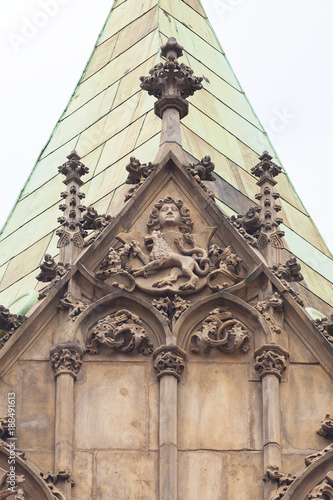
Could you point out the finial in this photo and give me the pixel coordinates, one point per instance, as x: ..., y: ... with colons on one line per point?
x: 71, y: 234
x: 171, y: 83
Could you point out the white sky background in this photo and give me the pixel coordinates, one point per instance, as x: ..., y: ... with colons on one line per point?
x: 280, y: 50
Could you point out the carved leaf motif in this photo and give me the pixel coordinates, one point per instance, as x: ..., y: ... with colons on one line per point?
x: 324, y: 490
x: 290, y: 271
x: 75, y: 306
x: 169, y: 361
x: 122, y: 332
x: 270, y: 362
x: 66, y: 358
x: 220, y: 329
x: 315, y: 456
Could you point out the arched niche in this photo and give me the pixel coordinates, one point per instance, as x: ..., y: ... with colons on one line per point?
x: 33, y: 485
x: 153, y: 323
x: 193, y: 317
x: 312, y: 476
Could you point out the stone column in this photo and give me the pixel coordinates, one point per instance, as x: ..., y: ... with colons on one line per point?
x: 169, y: 362
x: 66, y: 360
x: 270, y: 363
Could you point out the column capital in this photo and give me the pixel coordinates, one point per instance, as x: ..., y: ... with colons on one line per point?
x: 271, y: 359
x: 169, y: 360
x: 66, y: 358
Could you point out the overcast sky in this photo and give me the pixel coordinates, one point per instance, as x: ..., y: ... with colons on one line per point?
x: 280, y: 50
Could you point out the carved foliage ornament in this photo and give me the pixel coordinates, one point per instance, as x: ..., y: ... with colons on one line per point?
x: 275, y: 302
x: 137, y: 174
x: 9, y: 323
x: 18, y: 490
x: 172, y: 308
x: 220, y: 329
x: 270, y: 361
x: 169, y: 360
x: 121, y: 331
x: 289, y: 271
x: 66, y: 359
x: 324, y: 490
x: 177, y: 260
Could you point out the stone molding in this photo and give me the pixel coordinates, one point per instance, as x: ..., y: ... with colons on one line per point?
x: 169, y: 360
x: 270, y: 360
x: 66, y: 359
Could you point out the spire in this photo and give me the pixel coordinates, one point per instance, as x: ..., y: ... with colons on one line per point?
x: 171, y: 83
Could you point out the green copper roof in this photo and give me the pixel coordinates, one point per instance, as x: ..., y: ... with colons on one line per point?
x: 109, y: 118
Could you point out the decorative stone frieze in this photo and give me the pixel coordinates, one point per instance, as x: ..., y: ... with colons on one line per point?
x: 315, y: 456
x: 66, y: 358
x: 270, y: 360
x: 137, y: 174
x: 171, y: 82
x: 121, y: 331
x: 72, y: 221
x: 51, y: 271
x: 169, y: 360
x: 326, y: 429
x: 274, y: 301
x: 324, y: 490
x: 220, y: 329
x: 289, y: 271
x: 172, y: 308
x: 75, y: 306
x: 325, y: 326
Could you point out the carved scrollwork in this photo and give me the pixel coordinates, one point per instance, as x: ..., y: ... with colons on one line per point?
x: 270, y: 360
x: 75, y: 306
x: 326, y: 429
x: 220, y: 329
x: 115, y: 268
x: 52, y: 479
x: 18, y: 489
x: 66, y: 358
x: 121, y: 331
x: 284, y: 481
x: 169, y: 360
x: 324, y: 490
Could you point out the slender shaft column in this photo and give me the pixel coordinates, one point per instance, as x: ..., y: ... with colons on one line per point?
x: 171, y: 127
x: 270, y: 363
x: 169, y: 362
x: 66, y: 360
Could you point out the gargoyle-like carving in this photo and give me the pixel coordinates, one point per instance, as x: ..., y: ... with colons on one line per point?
x: 315, y: 456
x: 169, y: 360
x: 228, y: 268
x: 171, y: 309
x: 275, y: 301
x: 137, y: 174
x: 248, y: 224
x: 72, y: 221
x: 97, y: 223
x: 273, y: 474
x: 220, y: 329
x: 18, y: 490
x: 74, y: 305
x: 290, y: 271
x: 177, y: 261
x: 325, y: 326
x: 66, y: 358
x: 170, y: 82
x: 202, y: 171
x: 270, y: 360
x: 9, y: 323
x: 326, y: 429
x: 51, y: 271
x: 324, y: 490
x: 122, y: 332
